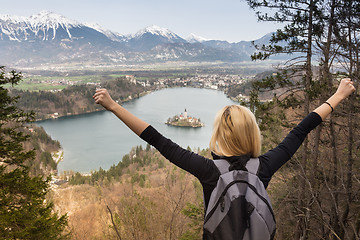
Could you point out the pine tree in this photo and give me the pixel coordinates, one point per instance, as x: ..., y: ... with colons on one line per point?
x: 25, y: 213
x: 323, y: 195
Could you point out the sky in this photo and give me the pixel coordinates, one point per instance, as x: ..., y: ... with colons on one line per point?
x: 230, y: 20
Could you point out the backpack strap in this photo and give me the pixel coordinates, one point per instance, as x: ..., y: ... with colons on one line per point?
x: 222, y: 165
x: 252, y: 165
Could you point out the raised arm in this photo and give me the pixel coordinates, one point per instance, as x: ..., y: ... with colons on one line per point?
x: 275, y: 158
x: 345, y: 88
x: 103, y: 98
x: 199, y: 166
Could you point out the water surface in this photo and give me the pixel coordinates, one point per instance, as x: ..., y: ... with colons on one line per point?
x: 99, y: 139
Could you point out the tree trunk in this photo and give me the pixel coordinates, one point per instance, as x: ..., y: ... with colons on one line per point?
x: 350, y: 159
x: 302, y: 229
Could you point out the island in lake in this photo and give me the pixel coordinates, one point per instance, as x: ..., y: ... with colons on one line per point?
x: 183, y: 120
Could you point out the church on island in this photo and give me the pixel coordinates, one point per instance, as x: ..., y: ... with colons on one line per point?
x: 184, y: 120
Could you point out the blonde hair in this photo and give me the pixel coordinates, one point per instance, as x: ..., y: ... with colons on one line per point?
x: 235, y: 132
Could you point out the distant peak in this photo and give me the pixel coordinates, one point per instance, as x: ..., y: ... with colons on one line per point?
x: 46, y: 16
x: 156, y: 30
x: 7, y: 17
x: 195, y: 38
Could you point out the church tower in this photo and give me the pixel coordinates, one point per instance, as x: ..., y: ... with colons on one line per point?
x: 185, y: 114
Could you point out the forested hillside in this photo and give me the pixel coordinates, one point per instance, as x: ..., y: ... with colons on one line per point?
x: 143, y: 197
x: 75, y: 99
x: 48, y: 152
x: 25, y: 210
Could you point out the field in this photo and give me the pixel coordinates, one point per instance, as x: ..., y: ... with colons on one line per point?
x: 58, y: 78
x: 47, y: 83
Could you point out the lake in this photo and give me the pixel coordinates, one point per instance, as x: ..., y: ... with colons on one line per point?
x: 99, y: 139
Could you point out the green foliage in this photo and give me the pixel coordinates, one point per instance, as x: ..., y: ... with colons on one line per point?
x: 141, y: 158
x: 196, y: 214
x: 47, y: 159
x: 40, y: 135
x: 78, y: 179
x: 43, y: 145
x: 138, y: 178
x: 24, y: 214
x: 161, y: 163
x: 293, y: 38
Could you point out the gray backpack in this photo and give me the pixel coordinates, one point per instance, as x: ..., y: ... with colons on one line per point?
x: 239, y: 207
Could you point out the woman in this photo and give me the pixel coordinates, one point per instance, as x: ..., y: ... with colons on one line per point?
x: 235, y: 134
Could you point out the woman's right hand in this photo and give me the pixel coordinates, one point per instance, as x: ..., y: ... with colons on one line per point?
x: 103, y: 98
x: 345, y: 88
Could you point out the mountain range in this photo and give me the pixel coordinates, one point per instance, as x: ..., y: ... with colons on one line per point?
x: 52, y: 38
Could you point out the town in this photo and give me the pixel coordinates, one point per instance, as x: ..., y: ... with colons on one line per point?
x: 219, y: 82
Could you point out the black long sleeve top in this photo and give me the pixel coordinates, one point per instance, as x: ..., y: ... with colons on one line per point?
x: 205, y: 170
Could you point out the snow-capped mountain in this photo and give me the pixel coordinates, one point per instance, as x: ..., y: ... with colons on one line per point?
x: 114, y: 36
x: 193, y: 38
x: 52, y: 38
x: 157, y: 31
x: 42, y: 26
x: 152, y: 36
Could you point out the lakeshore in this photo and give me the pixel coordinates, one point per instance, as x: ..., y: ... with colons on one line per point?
x: 76, y: 97
x: 99, y: 139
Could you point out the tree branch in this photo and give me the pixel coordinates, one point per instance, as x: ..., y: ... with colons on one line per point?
x: 113, y: 223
